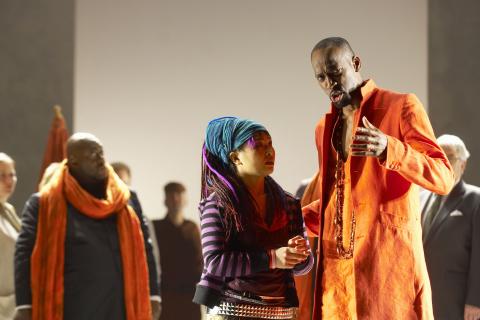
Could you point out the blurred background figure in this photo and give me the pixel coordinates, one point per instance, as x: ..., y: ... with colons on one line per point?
x: 123, y: 171
x: 301, y: 188
x: 9, y: 228
x: 125, y: 174
x: 180, y: 257
x: 48, y: 173
x: 451, y: 240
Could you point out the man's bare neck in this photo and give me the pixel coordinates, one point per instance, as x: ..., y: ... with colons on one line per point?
x: 348, y: 112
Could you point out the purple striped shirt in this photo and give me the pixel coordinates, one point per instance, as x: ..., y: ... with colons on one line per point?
x: 221, y: 263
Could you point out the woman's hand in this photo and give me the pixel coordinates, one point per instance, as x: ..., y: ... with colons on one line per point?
x: 296, y: 252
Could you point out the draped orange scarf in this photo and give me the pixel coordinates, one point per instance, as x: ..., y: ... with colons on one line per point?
x: 47, y: 262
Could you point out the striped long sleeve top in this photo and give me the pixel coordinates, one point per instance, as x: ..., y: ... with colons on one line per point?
x: 223, y: 263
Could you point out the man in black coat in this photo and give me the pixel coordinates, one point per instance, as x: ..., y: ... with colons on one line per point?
x: 93, y: 275
x: 451, y: 240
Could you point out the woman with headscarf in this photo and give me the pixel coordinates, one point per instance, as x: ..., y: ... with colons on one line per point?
x: 253, y: 235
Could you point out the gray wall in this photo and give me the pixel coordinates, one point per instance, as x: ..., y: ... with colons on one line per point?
x: 37, y: 63
x: 36, y: 72
x: 454, y: 66
x: 164, y: 68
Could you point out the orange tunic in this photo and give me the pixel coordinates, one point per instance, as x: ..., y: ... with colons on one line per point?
x: 387, y: 276
x: 338, y: 300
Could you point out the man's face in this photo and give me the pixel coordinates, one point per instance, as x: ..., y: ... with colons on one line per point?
x: 175, y: 201
x: 8, y: 180
x: 458, y: 164
x: 89, y: 161
x: 337, y: 73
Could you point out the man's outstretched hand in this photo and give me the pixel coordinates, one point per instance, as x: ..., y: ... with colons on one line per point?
x: 369, y: 141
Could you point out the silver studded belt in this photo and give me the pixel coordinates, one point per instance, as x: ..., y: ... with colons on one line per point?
x: 252, y: 311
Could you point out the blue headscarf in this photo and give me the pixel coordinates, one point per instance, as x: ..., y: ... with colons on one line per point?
x: 226, y: 134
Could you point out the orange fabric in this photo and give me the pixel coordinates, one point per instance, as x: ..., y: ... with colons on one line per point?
x: 310, y: 195
x: 305, y: 284
x: 387, y: 277
x: 56, y: 149
x: 338, y: 303
x: 47, y: 263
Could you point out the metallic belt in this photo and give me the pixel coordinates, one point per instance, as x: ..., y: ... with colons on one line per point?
x: 252, y: 311
x: 249, y: 298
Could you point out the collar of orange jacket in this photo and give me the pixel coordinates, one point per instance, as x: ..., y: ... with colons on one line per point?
x: 366, y: 90
x: 47, y: 261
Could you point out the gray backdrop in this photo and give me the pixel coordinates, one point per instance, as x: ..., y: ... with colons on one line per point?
x: 453, y: 77
x: 36, y: 72
x: 37, y: 50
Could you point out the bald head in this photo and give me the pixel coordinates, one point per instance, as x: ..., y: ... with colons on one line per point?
x: 78, y: 141
x: 334, y: 42
x: 85, y: 157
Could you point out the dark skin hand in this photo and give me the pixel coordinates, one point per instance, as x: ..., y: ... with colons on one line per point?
x: 369, y: 141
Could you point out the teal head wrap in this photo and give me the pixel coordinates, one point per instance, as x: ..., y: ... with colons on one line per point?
x: 226, y: 134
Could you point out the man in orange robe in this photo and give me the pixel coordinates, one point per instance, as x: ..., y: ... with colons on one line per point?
x: 374, y: 147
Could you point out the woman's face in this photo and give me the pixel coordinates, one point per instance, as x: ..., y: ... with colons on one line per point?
x: 256, y: 157
x: 8, y: 180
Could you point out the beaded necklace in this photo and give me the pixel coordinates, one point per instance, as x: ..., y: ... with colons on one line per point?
x: 340, y: 196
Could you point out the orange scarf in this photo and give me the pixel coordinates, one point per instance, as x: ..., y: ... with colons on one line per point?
x: 47, y: 263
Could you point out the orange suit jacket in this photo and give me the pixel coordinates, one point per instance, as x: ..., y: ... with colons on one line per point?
x: 391, y: 280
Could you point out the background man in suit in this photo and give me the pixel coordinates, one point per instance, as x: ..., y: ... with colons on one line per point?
x: 451, y: 239
x: 83, y: 252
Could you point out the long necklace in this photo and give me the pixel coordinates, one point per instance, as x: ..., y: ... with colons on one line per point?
x: 340, y: 198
